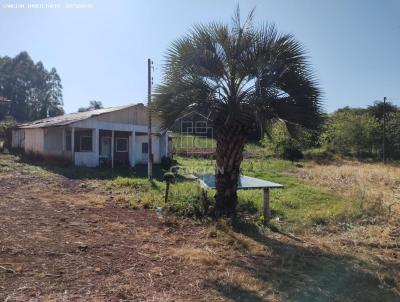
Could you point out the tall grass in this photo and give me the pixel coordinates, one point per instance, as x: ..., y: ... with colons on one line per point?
x: 376, y: 187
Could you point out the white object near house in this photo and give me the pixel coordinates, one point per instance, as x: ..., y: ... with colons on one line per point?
x: 114, y: 136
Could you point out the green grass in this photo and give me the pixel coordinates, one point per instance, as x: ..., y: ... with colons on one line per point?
x: 191, y: 141
x: 296, y: 207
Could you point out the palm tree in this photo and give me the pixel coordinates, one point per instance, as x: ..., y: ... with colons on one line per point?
x: 245, y: 78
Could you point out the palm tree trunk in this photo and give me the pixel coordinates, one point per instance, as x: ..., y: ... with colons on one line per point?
x: 229, y: 156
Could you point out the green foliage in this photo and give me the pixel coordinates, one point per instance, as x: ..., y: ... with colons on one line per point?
x: 32, y: 91
x: 137, y: 184
x: 321, y: 154
x: 393, y: 135
x: 244, y: 79
x: 187, y: 200
x: 296, y: 207
x: 167, y: 162
x: 93, y: 105
x: 289, y: 145
x: 352, y: 133
x: 5, y: 132
x: 202, y: 65
x: 169, y: 176
x: 292, y: 154
x: 378, y: 108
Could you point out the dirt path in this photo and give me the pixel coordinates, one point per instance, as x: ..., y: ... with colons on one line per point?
x: 57, y: 243
x: 60, y: 241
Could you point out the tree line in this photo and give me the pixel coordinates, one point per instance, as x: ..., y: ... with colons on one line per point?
x: 28, y: 91
x: 354, y: 132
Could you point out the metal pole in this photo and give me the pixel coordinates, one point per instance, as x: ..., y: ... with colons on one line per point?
x: 150, y: 153
x: 112, y: 149
x: 384, y: 131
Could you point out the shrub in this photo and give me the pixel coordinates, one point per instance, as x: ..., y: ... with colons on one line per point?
x: 185, y: 200
x: 349, y: 132
x: 292, y: 153
x: 320, y: 155
x: 167, y: 162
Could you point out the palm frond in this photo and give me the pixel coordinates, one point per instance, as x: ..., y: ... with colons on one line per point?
x: 239, y: 74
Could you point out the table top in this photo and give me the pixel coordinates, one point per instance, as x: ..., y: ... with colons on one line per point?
x: 245, y: 182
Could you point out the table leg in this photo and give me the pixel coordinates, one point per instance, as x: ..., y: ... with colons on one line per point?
x: 266, y: 210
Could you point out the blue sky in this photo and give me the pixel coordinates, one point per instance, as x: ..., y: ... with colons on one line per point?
x: 101, y: 52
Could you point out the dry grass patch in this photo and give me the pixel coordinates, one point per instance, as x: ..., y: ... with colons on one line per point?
x: 116, y: 226
x: 376, y: 187
x: 242, y: 286
x: 197, y: 256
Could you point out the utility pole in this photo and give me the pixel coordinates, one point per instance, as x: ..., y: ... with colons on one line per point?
x: 384, y: 131
x: 150, y: 152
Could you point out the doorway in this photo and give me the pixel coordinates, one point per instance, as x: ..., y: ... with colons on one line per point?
x: 106, y: 147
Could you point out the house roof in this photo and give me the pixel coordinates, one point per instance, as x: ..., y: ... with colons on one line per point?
x: 71, y: 118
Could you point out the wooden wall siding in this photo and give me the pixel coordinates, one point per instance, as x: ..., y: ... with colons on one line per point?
x: 18, y: 138
x: 34, y: 140
x: 53, y: 141
x: 133, y: 116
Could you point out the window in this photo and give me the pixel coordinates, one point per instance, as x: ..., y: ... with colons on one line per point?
x: 187, y: 127
x: 145, y: 147
x: 86, y: 144
x: 201, y: 127
x: 122, y: 145
x: 68, y: 144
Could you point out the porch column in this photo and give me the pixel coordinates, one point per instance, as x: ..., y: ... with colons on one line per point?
x: 112, y: 149
x: 132, y: 148
x: 63, y: 147
x: 96, y: 145
x: 73, y: 145
x: 166, y: 144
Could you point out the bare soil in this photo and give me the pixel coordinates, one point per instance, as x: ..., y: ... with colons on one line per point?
x: 61, y: 240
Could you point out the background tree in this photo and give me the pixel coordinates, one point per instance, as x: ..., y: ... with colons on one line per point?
x: 353, y: 132
x: 288, y: 146
x: 33, y: 91
x: 393, y: 135
x: 93, y: 105
x: 245, y: 78
x: 376, y: 109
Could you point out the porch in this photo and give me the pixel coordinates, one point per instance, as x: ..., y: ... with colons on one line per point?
x: 92, y: 147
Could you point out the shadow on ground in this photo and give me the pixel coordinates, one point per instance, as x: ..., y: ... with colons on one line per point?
x: 308, y: 274
x: 71, y: 172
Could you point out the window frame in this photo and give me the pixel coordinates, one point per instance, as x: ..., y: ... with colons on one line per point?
x: 116, y: 144
x: 147, y: 144
x: 80, y: 143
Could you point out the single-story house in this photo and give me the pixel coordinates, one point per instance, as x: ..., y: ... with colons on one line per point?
x: 114, y: 136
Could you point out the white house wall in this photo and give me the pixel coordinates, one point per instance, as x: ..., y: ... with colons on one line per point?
x: 86, y: 159
x: 53, y: 141
x: 141, y: 158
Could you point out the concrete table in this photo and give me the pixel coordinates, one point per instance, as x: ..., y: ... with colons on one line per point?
x: 245, y: 183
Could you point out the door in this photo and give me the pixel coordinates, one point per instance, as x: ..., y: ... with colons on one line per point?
x: 106, y: 147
